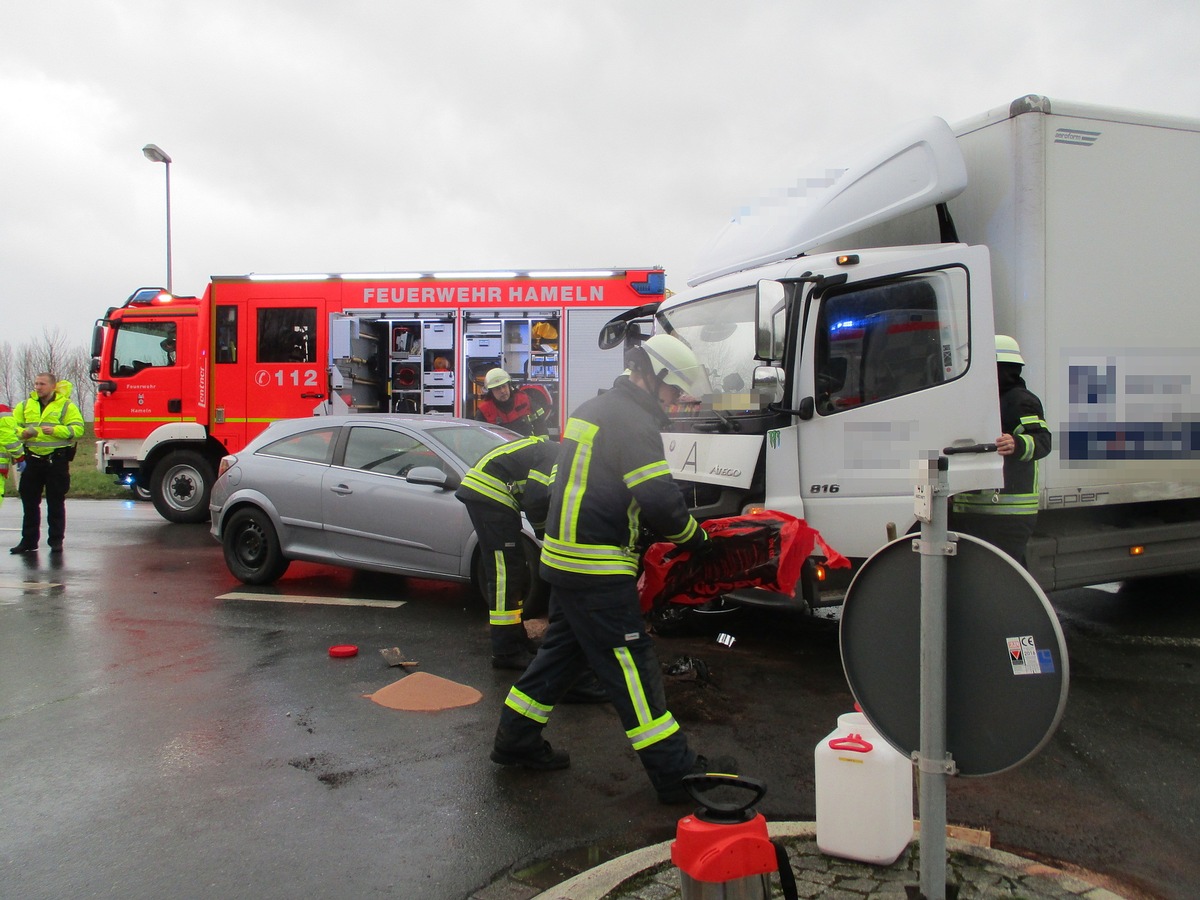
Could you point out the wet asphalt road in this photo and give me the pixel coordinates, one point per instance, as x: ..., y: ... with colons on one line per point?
x: 159, y: 740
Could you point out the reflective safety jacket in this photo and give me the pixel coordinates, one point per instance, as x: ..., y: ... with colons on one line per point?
x: 11, y: 448
x: 611, y: 471
x: 515, y: 476
x: 60, y: 412
x: 1021, y: 416
x: 527, y: 411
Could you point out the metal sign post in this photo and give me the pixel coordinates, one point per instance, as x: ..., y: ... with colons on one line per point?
x: 944, y: 639
x: 932, y: 760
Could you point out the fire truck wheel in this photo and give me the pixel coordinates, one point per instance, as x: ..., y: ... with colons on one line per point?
x: 181, y: 485
x: 251, y: 547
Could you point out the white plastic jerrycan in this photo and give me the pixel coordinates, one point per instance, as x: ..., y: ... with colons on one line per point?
x: 864, y: 794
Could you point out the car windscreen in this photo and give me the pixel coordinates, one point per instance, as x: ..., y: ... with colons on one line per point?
x: 470, y: 442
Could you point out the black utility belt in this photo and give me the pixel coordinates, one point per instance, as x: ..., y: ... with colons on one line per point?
x: 52, y: 456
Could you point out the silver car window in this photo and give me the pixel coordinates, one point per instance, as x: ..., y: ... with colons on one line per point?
x: 387, y: 452
x: 310, y: 446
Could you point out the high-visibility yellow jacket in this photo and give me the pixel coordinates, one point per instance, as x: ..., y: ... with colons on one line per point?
x: 60, y: 412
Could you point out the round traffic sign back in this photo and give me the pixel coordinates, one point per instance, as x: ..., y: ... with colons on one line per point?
x: 1006, y: 661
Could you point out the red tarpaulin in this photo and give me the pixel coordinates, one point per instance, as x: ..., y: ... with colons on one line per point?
x: 764, y: 549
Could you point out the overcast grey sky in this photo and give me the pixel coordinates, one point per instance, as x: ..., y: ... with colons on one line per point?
x: 395, y: 135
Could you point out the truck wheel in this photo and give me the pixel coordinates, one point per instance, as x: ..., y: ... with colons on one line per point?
x: 181, y: 485
x: 251, y: 547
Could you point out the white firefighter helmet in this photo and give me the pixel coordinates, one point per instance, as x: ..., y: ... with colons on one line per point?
x: 1007, y: 350
x: 494, y: 378
x: 676, y: 364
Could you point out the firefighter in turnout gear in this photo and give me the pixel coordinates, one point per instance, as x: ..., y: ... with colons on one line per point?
x: 1006, y: 517
x: 610, y: 471
x: 511, y: 478
x: 525, y: 410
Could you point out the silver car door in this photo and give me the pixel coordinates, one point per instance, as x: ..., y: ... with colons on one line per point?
x: 373, y: 515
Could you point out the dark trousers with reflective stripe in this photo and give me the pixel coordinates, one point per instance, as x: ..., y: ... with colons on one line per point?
x: 1009, y: 533
x: 52, y: 475
x: 601, y: 627
x: 505, y: 574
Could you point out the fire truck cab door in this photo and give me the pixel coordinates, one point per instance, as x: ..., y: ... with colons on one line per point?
x: 147, y: 373
x: 286, y: 377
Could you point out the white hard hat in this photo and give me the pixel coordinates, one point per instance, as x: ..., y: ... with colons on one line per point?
x: 494, y: 378
x: 676, y: 364
x: 1007, y: 350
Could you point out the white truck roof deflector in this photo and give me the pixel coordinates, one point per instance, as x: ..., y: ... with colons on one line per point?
x: 919, y: 167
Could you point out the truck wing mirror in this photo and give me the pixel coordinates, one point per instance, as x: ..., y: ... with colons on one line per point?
x: 770, y: 308
x: 767, y: 382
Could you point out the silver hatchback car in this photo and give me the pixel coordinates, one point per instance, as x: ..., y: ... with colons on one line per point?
x: 363, y: 491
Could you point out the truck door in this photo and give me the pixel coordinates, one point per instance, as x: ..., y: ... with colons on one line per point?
x: 146, y: 371
x: 891, y: 371
x: 287, y: 370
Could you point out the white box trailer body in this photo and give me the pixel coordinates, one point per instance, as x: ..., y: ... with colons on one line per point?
x: 1065, y: 225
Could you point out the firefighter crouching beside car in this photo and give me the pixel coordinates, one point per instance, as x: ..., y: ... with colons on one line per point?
x: 610, y: 469
x: 512, y: 477
x: 525, y: 410
x: 49, y: 424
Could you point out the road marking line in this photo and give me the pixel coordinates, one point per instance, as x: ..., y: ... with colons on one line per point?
x: 326, y: 601
x: 29, y: 585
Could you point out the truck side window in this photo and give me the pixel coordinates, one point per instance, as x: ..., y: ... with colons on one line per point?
x: 287, y: 335
x: 227, y: 322
x: 885, y: 340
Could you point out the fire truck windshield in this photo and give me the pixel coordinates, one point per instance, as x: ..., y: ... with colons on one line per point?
x: 720, y: 330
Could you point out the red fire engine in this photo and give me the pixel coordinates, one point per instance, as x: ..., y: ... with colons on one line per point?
x: 182, y: 381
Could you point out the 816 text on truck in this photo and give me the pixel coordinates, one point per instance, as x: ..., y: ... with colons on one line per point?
x: 848, y: 330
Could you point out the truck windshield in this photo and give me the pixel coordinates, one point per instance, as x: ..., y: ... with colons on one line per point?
x: 720, y: 329
x: 140, y: 345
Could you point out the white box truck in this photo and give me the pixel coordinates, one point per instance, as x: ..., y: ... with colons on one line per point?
x: 848, y: 328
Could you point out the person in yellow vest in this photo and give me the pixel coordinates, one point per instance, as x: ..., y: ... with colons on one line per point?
x: 48, y: 424
x: 12, y: 451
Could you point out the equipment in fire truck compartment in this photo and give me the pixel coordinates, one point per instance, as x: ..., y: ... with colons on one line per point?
x: 524, y: 344
x: 356, y: 373
x: 422, y: 366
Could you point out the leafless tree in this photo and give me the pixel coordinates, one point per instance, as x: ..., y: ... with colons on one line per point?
x: 10, y: 389
x: 53, y: 353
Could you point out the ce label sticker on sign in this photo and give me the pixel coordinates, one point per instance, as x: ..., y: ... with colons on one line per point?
x: 1025, y: 657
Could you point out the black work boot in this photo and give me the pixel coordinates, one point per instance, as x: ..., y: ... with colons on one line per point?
x: 544, y: 757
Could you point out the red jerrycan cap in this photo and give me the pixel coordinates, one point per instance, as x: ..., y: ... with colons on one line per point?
x: 342, y: 651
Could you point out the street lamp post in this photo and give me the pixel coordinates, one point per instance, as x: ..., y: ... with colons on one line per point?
x: 154, y: 153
